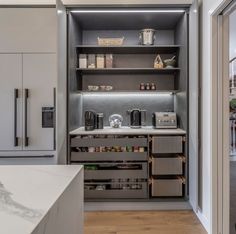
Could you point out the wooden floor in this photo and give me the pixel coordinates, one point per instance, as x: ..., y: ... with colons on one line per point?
x: 142, y: 222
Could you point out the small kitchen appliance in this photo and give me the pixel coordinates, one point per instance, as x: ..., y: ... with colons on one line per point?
x: 90, y: 119
x: 164, y: 120
x: 137, y: 118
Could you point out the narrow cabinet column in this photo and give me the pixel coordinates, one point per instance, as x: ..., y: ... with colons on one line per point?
x: 39, y: 82
x: 10, y: 101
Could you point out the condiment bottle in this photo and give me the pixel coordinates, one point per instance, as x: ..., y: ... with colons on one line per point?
x: 142, y: 86
x: 148, y: 86
x: 153, y: 86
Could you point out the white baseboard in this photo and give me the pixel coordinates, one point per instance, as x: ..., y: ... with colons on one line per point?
x: 111, y: 206
x: 203, y: 220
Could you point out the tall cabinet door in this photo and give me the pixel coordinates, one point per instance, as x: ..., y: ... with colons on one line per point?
x: 10, y: 101
x: 39, y: 82
x: 194, y: 106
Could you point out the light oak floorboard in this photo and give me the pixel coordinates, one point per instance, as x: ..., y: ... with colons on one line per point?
x: 142, y: 222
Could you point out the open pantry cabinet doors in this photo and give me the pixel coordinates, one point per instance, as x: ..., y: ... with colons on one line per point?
x: 61, y: 83
x: 194, y: 105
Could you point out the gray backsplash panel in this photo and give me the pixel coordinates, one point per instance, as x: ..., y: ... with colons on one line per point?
x: 120, y: 103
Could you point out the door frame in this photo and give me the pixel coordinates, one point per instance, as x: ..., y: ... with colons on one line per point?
x: 220, y: 161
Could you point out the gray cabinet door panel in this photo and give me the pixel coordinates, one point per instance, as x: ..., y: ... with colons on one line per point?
x: 10, y: 79
x: 39, y: 77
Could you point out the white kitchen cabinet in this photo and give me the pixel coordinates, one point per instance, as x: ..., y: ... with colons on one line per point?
x: 11, y: 106
x: 29, y: 30
x: 21, y: 122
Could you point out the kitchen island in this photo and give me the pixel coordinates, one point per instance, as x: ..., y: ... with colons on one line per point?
x: 41, y: 199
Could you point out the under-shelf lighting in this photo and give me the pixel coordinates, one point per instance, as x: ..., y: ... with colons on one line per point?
x: 125, y: 94
x: 128, y: 11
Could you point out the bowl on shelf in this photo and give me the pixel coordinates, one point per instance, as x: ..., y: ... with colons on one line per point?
x: 170, y: 63
x: 93, y: 88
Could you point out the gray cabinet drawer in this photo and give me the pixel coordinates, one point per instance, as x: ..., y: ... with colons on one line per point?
x: 117, y: 193
x: 108, y: 156
x: 167, y: 166
x: 93, y: 142
x: 167, y: 188
x: 167, y: 144
x: 116, y: 173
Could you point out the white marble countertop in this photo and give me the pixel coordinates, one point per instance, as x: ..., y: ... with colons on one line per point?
x: 28, y: 192
x: 129, y: 131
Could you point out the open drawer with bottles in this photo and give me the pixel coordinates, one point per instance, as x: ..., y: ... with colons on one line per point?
x: 116, y: 189
x: 103, y: 171
x: 109, y: 148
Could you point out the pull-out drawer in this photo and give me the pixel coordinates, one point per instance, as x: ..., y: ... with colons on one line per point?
x: 167, y: 187
x: 167, y: 144
x: 93, y: 142
x: 108, y: 156
x: 113, y: 192
x: 104, y: 171
x: 167, y: 166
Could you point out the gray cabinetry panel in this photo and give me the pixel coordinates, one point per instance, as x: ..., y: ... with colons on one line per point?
x: 167, y: 144
x: 167, y: 166
x: 167, y: 188
x: 108, y: 156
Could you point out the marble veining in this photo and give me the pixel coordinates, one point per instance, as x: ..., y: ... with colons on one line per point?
x: 7, y: 204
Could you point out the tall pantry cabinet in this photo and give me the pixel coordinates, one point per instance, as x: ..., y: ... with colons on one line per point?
x: 177, y: 26
x: 28, y: 86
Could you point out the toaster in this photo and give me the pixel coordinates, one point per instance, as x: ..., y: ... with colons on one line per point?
x: 164, y: 120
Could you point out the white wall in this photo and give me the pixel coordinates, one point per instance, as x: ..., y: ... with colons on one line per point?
x: 232, y: 35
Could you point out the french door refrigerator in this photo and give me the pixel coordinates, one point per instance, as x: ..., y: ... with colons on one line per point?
x: 27, y: 102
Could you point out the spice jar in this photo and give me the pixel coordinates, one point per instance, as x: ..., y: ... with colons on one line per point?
x: 148, y: 86
x: 142, y: 86
x: 153, y: 86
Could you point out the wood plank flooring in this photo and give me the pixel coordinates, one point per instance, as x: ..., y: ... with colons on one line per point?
x: 142, y: 222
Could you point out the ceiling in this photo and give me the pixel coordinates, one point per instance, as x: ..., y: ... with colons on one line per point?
x: 92, y: 2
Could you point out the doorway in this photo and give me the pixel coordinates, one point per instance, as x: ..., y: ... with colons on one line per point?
x: 224, y: 119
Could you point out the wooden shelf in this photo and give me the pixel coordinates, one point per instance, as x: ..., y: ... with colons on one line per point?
x: 127, y: 70
x: 128, y: 49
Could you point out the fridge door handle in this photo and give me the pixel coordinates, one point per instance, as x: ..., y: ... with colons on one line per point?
x: 16, y: 96
x: 26, y: 117
x: 54, y: 119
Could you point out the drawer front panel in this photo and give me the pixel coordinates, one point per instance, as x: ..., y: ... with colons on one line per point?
x: 167, y: 144
x: 167, y: 166
x: 117, y: 193
x: 105, y: 174
x: 167, y: 188
x: 80, y: 142
x: 108, y: 156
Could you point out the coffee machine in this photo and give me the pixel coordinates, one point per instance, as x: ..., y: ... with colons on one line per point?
x: 137, y: 118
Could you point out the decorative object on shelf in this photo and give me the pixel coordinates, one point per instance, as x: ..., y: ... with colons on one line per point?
x: 91, y: 61
x: 170, y: 63
x: 115, y: 120
x: 100, y: 61
x: 147, y: 36
x: 158, y: 64
x: 100, y: 118
x: 83, y: 61
x: 233, y: 104
x: 109, y: 60
x: 108, y: 88
x: 111, y: 41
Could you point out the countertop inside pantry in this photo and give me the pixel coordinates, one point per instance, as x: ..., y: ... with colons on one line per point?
x: 129, y: 131
x: 27, y: 193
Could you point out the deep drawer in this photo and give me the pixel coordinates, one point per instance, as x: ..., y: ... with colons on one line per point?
x: 108, y: 156
x: 167, y: 144
x: 91, y: 142
x: 167, y: 187
x: 167, y: 166
x: 104, y: 174
x: 117, y: 193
